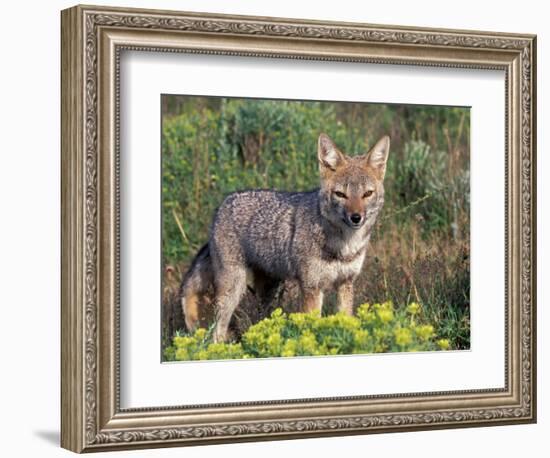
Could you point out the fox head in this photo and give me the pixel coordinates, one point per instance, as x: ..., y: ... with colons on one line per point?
x: 352, y: 187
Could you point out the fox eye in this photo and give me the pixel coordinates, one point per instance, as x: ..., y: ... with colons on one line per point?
x: 340, y: 194
x: 368, y: 193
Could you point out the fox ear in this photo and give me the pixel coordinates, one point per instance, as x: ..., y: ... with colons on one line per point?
x: 329, y: 156
x: 378, y: 156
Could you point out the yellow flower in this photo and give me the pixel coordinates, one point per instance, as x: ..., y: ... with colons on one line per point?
x: 307, y: 342
x: 385, y: 315
x: 298, y: 319
x: 314, y: 314
x: 183, y: 341
x: 200, y: 333
x: 274, y: 340
x: 182, y: 354
x: 388, y: 305
x: 413, y: 308
x: 367, y: 313
x: 444, y: 344
x: 289, y: 348
x: 344, y: 321
x: 361, y: 337
x: 216, y: 347
x: 364, y: 307
x: 403, y: 336
x: 425, y: 332
x: 202, y: 355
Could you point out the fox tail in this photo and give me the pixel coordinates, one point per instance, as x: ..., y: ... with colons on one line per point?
x: 196, y: 282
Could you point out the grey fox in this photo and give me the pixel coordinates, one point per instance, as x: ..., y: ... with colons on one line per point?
x: 317, y: 238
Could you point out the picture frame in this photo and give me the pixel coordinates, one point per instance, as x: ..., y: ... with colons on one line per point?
x: 92, y: 41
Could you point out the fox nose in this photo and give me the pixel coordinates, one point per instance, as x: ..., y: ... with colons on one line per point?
x: 355, y: 218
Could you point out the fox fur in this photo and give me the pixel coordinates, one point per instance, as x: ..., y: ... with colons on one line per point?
x: 317, y: 238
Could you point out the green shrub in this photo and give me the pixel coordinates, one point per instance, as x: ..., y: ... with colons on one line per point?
x: 431, y: 185
x: 376, y: 329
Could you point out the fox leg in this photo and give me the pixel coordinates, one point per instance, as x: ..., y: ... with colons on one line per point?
x: 313, y: 299
x: 345, y: 298
x: 230, y: 288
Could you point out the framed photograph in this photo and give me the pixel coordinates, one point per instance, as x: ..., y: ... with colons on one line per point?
x: 278, y: 228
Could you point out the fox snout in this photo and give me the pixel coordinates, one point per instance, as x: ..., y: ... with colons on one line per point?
x: 352, y: 209
x: 354, y: 215
x: 355, y: 219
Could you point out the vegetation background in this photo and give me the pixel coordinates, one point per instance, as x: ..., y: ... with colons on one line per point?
x: 420, y: 249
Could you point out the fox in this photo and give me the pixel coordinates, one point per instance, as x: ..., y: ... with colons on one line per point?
x: 316, y: 238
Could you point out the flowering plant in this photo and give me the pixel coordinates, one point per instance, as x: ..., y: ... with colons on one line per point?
x: 376, y: 328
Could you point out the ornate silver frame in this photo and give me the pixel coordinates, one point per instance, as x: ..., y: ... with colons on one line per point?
x: 92, y: 40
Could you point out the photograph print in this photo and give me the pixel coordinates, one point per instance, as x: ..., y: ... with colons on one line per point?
x: 313, y: 228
